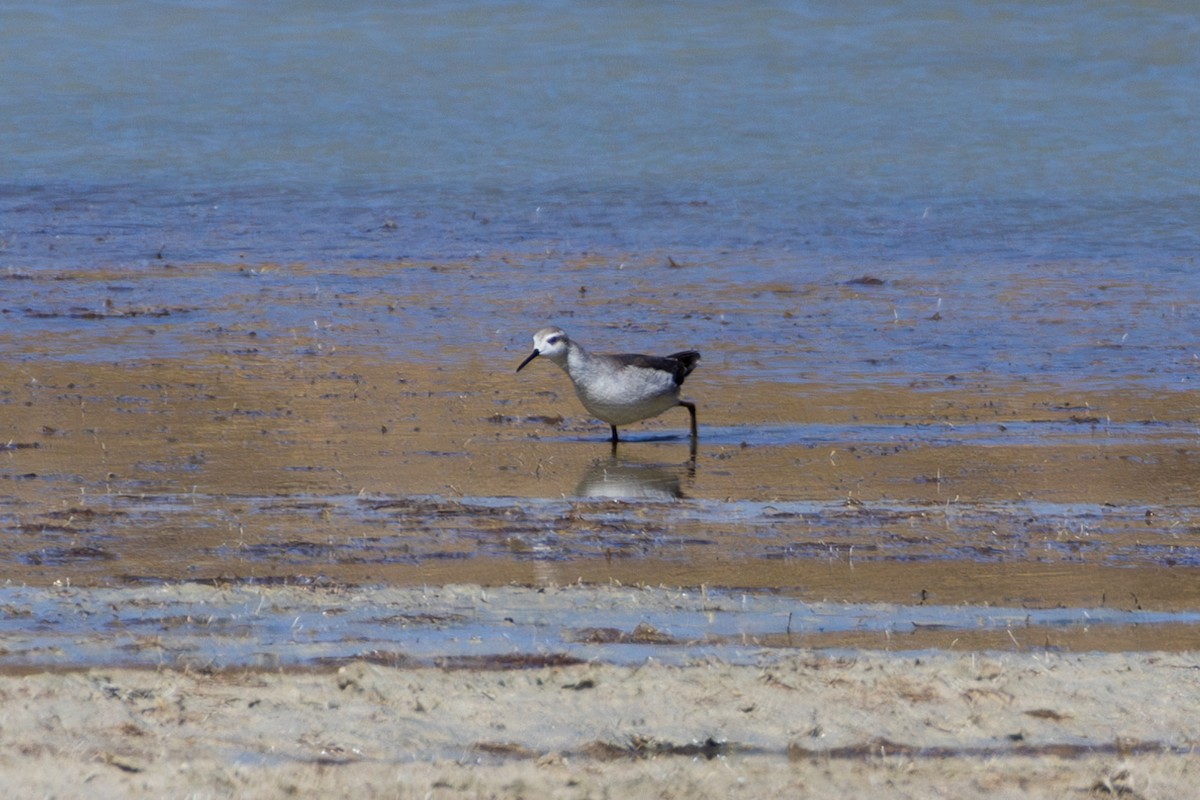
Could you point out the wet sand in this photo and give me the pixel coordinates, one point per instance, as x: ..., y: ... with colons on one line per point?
x: 982, y: 586
x: 356, y: 472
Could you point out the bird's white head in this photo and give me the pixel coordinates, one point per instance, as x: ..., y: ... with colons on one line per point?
x: 551, y: 343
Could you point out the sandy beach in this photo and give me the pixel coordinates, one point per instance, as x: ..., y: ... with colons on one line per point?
x: 802, y: 724
x: 748, y: 720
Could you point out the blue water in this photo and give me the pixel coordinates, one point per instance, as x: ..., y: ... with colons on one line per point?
x: 785, y: 118
x: 1044, y: 153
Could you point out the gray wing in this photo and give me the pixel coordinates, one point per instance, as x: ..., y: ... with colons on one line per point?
x: 679, y: 365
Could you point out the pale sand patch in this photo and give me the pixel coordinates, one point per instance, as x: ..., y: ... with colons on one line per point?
x: 865, y: 725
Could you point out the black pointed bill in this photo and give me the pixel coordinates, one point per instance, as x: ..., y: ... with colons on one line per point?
x: 532, y: 356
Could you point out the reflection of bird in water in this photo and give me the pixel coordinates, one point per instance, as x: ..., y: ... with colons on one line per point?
x: 616, y: 479
x: 619, y: 389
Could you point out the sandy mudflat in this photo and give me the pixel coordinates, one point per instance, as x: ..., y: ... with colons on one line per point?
x: 857, y: 723
x: 156, y: 508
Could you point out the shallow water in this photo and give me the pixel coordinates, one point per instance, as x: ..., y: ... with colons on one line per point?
x: 234, y: 627
x: 265, y: 274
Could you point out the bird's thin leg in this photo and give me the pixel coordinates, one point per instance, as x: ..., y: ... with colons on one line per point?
x: 614, y: 434
x: 691, y: 407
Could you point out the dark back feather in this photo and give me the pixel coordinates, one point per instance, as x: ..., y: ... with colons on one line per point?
x: 680, y: 364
